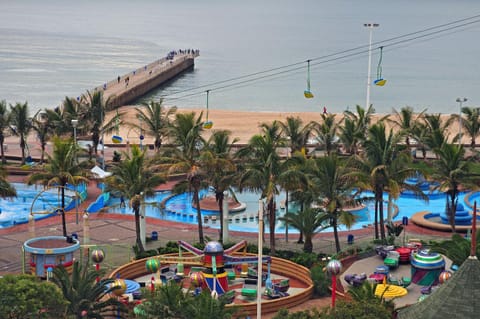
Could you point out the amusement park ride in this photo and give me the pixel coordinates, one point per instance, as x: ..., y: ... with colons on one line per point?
x: 213, y: 268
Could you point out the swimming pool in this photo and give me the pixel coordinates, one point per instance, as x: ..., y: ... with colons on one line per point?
x: 179, y: 209
x: 17, y: 209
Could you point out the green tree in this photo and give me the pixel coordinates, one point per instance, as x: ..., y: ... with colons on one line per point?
x: 457, y: 249
x: 4, y: 125
x: 354, y: 126
x: 262, y: 169
x: 451, y: 170
x: 296, y: 133
x: 216, y: 159
x: 382, y: 150
x: 167, y: 302
x: 405, y: 120
x: 42, y: 126
x: 62, y: 168
x: 26, y: 296
x: 184, y: 158
x: 349, y: 135
x: 133, y: 178
x: 309, y: 222
x: 20, y: 124
x: 471, y: 123
x: 204, y: 306
x: 170, y: 301
x: 88, y: 298
x: 436, y: 131
x: 154, y: 119
x: 333, y: 186
x: 327, y: 132
x: 6, y: 189
x: 92, y: 116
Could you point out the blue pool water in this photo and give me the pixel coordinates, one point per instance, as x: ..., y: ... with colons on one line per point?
x: 179, y: 209
x: 16, y: 210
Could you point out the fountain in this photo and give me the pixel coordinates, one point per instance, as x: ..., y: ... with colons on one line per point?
x: 462, y: 216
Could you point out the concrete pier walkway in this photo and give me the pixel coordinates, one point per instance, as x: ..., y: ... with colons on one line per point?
x: 128, y: 87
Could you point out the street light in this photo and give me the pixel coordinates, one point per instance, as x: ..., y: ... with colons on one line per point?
x: 370, y: 26
x: 460, y: 100
x: 260, y: 259
x: 75, y: 124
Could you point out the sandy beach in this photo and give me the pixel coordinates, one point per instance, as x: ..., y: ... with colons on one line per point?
x: 243, y: 125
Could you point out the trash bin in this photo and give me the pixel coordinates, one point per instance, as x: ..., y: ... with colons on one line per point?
x: 350, y: 238
x: 154, y: 235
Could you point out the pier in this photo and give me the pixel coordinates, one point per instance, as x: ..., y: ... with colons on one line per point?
x: 129, y: 87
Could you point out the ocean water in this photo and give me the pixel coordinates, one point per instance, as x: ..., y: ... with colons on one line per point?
x: 52, y: 48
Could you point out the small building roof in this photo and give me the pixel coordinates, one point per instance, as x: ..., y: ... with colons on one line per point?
x: 457, y: 298
x: 100, y: 172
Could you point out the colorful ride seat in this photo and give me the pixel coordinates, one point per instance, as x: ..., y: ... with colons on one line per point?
x: 392, y: 259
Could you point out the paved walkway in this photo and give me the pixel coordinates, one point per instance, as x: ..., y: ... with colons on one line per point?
x: 115, y: 233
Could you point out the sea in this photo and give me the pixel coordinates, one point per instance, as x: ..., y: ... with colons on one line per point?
x: 253, y: 53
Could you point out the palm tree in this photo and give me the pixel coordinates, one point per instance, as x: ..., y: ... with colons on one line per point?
x: 72, y: 109
x: 362, y: 118
x: 88, y: 298
x: 154, y: 119
x: 451, y: 170
x: 457, y: 249
x: 93, y: 108
x: 184, y: 158
x: 293, y: 179
x: 405, y: 120
x: 263, y: 167
x: 133, y: 179
x: 42, y: 126
x: 333, y: 186
x: 327, y: 132
x: 62, y: 168
x: 349, y: 135
x: 296, y: 133
x: 4, y: 124
x: 436, y: 131
x: 382, y: 150
x: 204, y: 306
x: 168, y: 301
x: 20, y: 124
x: 309, y: 222
x: 6, y: 189
x: 217, y: 159
x: 471, y: 123
x: 57, y: 120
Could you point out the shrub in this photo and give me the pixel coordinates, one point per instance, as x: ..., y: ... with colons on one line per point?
x: 320, y: 281
x: 305, y: 259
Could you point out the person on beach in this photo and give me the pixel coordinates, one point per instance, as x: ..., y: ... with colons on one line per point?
x: 118, y: 79
x: 324, y: 110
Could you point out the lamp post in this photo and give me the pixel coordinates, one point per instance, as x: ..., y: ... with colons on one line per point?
x: 75, y: 124
x: 260, y: 259
x: 370, y: 26
x: 103, y: 144
x: 334, y: 267
x: 460, y: 100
